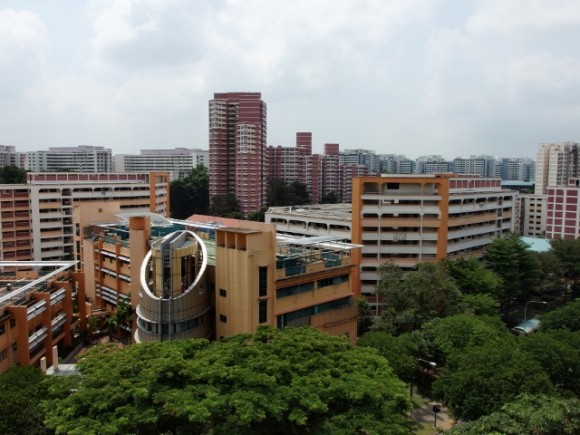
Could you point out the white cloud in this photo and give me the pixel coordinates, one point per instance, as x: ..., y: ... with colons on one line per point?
x: 22, y: 48
x: 509, y: 16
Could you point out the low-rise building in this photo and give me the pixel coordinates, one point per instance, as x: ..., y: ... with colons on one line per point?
x: 38, y: 310
x: 213, y: 277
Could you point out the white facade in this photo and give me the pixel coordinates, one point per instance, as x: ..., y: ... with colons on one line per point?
x: 178, y: 161
x: 51, y: 196
x: 532, y: 215
x: 555, y: 164
x: 84, y: 158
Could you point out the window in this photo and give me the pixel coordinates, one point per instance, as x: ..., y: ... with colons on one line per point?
x: 223, y: 318
x: 223, y: 293
x: 3, y: 354
x: 263, y: 311
x: 262, y: 281
x: 2, y: 329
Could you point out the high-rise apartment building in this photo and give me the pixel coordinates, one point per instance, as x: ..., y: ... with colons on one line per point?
x: 83, y: 158
x: 36, y: 219
x: 237, y: 148
x: 178, y: 162
x: 562, y: 211
x: 555, y: 164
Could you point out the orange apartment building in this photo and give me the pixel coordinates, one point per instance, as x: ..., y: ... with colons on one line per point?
x: 37, y: 310
x: 408, y: 219
x: 36, y: 219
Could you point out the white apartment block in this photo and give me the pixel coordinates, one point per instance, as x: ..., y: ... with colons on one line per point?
x: 178, y: 161
x: 555, y: 164
x: 83, y: 158
x: 531, y: 215
x: 37, y: 222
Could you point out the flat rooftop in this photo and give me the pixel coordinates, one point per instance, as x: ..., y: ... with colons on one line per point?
x: 20, y: 278
x: 342, y: 212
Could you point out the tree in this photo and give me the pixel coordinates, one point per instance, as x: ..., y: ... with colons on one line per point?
x: 479, y: 380
x: 12, y: 175
x: 458, y: 332
x: 399, y: 351
x: 472, y: 277
x: 566, y: 317
x: 413, y: 298
x: 516, y: 265
x: 480, y: 304
x: 258, y: 215
x: 365, y: 319
x: 224, y: 205
x: 559, y: 357
x: 22, y: 392
x: 552, y: 272
x: 121, y: 322
x: 538, y: 414
x: 190, y: 195
x: 329, y: 198
x: 568, y: 252
x: 282, y: 193
x: 270, y: 382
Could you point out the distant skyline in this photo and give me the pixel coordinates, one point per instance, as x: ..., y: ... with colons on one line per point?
x: 413, y: 77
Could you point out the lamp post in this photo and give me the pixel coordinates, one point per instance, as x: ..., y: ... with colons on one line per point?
x: 532, y: 302
x: 432, y: 365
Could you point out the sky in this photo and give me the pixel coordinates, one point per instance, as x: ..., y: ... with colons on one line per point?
x: 414, y: 77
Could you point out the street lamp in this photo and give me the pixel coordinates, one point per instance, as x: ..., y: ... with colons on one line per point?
x: 532, y: 302
x: 432, y: 364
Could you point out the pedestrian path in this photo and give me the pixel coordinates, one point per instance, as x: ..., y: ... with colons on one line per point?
x: 425, y: 414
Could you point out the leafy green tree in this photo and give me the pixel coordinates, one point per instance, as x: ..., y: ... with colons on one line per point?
x: 12, y: 175
x: 224, y: 205
x: 413, y: 298
x: 190, y: 195
x: 538, y: 414
x: 559, y: 357
x: 399, y: 351
x: 568, y: 252
x: 479, y: 380
x: 282, y: 193
x: 472, y: 277
x: 271, y: 382
x: 552, y: 274
x: 480, y: 304
x: 566, y: 317
x: 365, y: 319
x: 458, y: 332
x: 20, y: 410
x: 329, y: 198
x: 258, y: 215
x: 516, y: 265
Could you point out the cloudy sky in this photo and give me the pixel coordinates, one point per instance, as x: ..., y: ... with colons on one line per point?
x: 413, y: 77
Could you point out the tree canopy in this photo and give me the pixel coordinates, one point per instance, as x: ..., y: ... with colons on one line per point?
x: 22, y: 391
x: 566, y: 317
x: 414, y: 297
x: 12, y: 175
x: 224, y: 205
x: 458, y: 332
x: 538, y: 414
x: 479, y: 380
x: 399, y: 351
x: 281, y: 192
x: 472, y: 277
x: 515, y: 264
x: 191, y: 194
x: 270, y: 382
